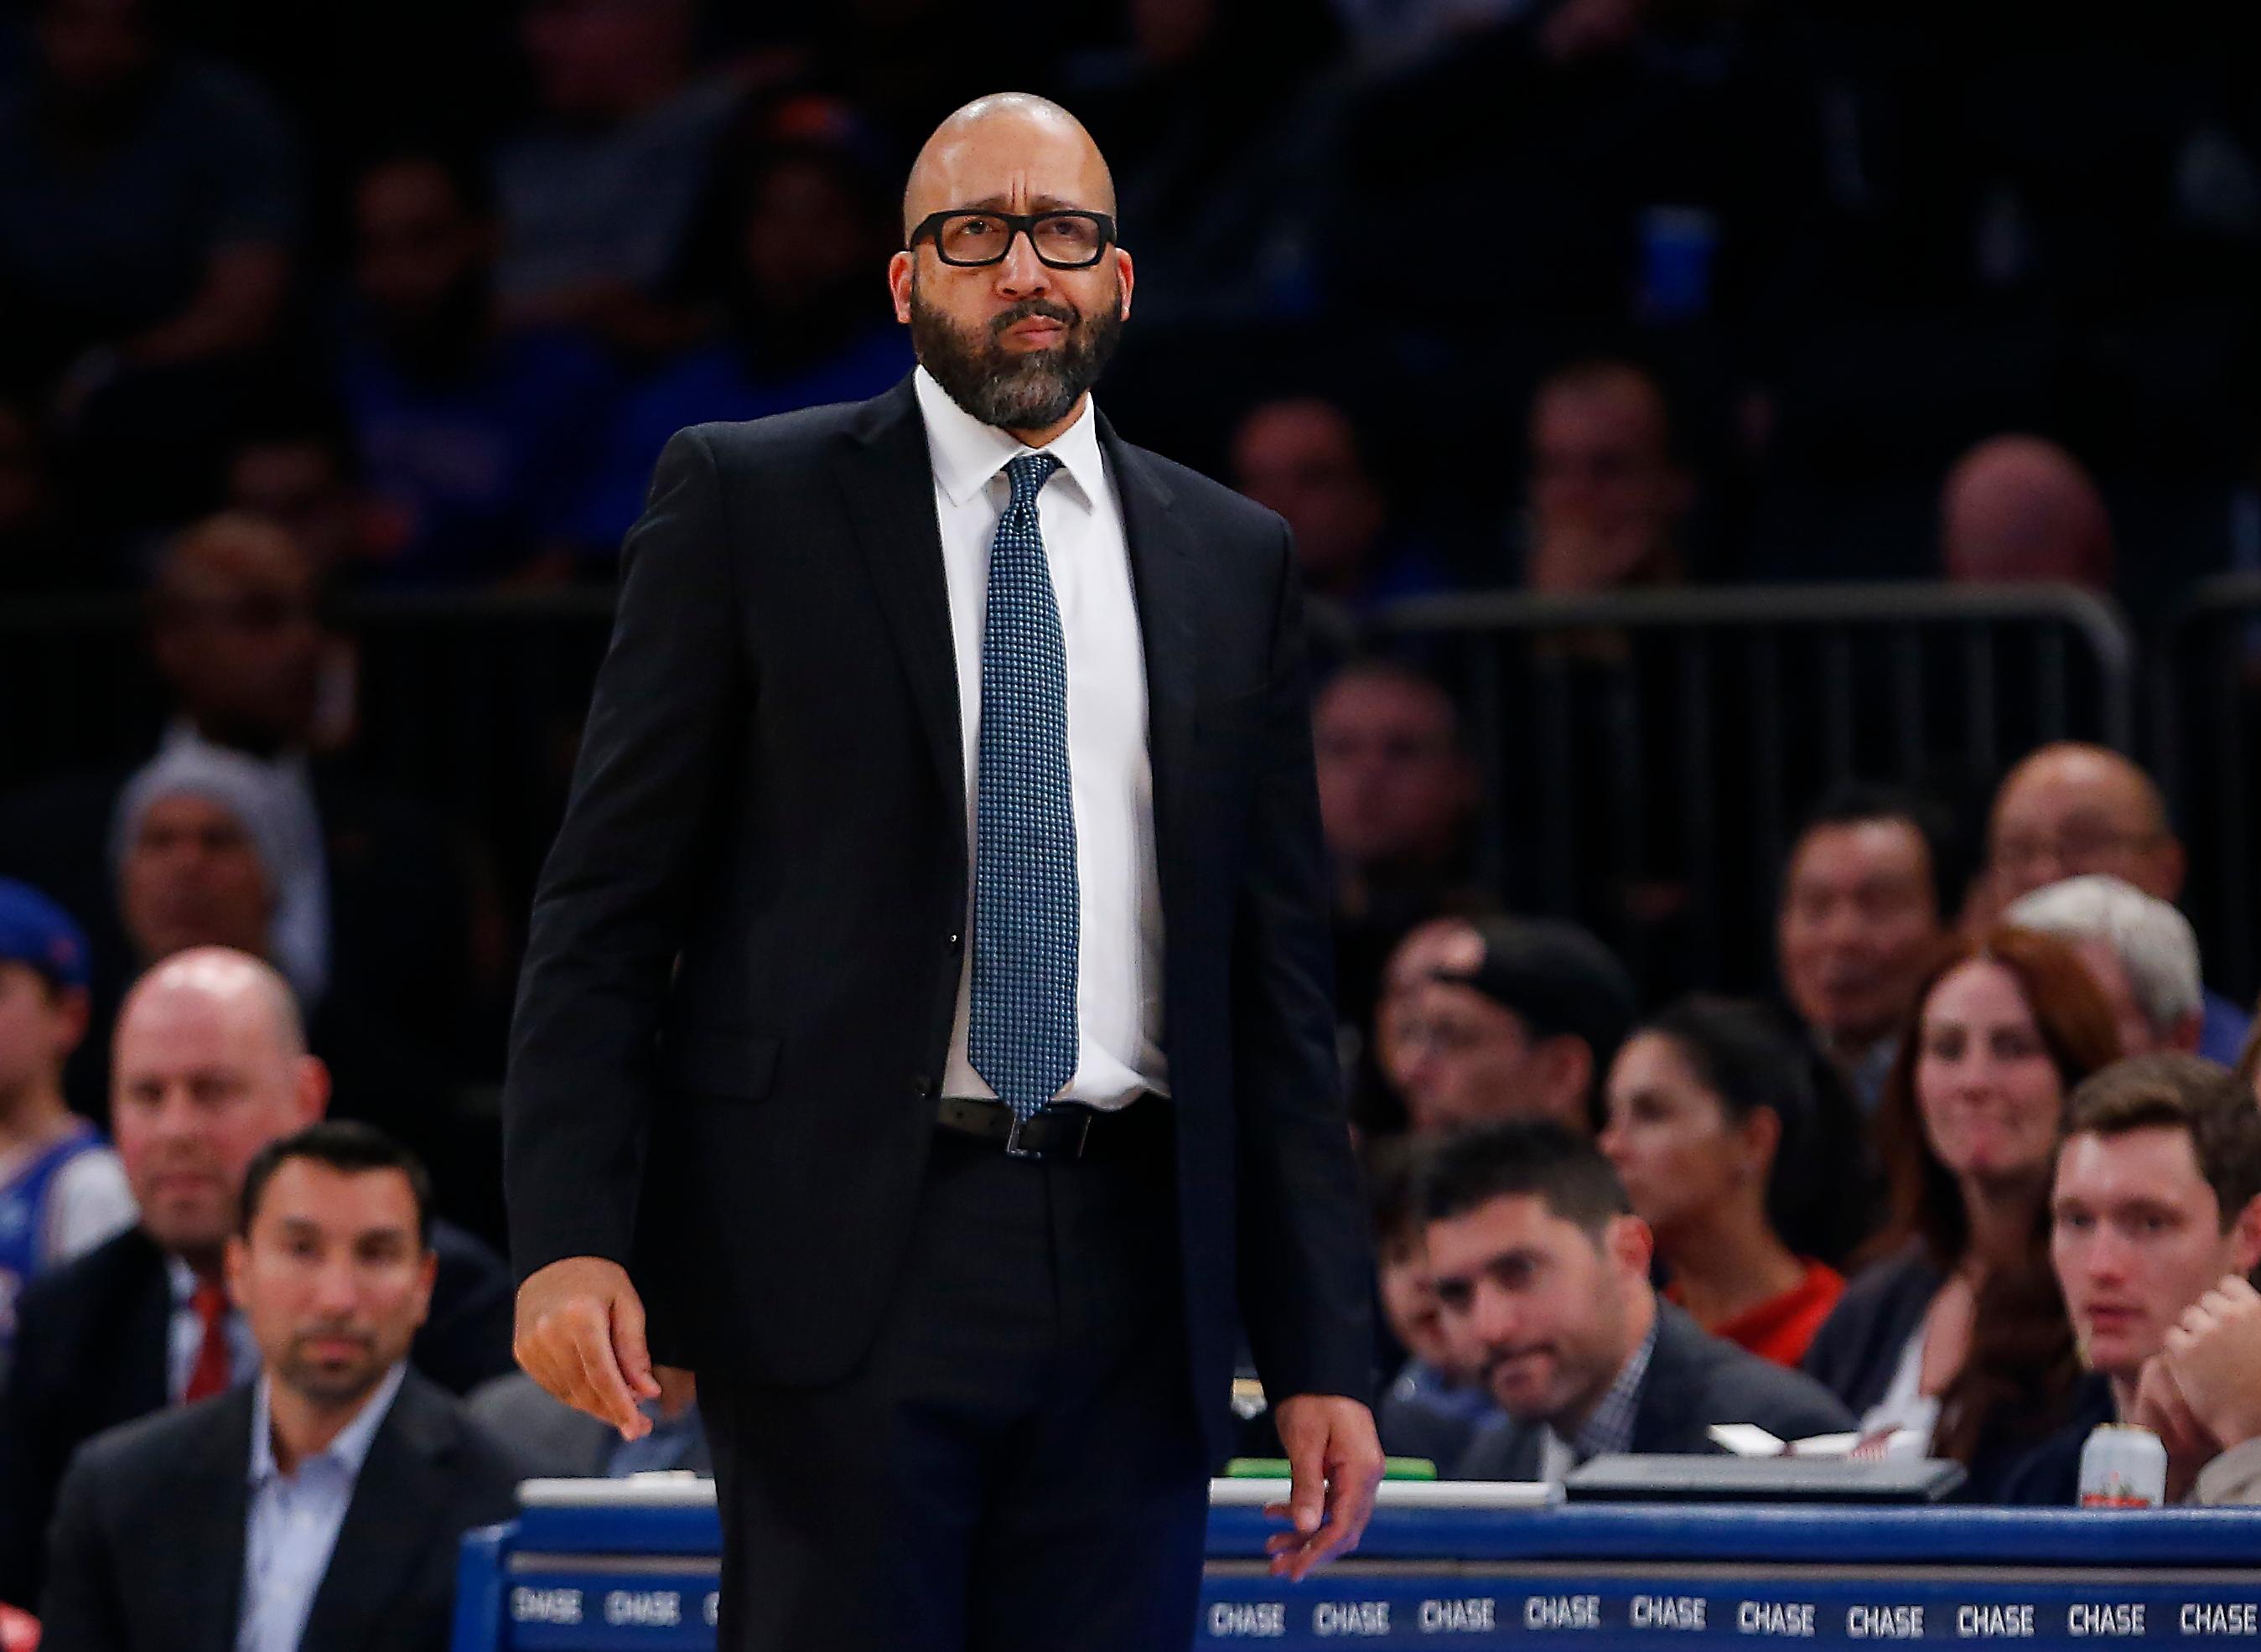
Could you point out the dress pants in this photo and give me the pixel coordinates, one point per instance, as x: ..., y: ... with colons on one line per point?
x: 1016, y: 1465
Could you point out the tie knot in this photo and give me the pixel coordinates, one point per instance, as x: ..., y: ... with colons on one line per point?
x: 1028, y: 474
x: 209, y: 1301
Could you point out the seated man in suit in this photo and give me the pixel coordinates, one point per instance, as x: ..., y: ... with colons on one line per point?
x: 2156, y: 1202
x: 209, y: 1066
x: 1542, y: 1270
x: 321, y: 1507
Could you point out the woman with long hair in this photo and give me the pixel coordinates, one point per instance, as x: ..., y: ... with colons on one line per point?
x: 1744, y: 1162
x: 1957, y: 1329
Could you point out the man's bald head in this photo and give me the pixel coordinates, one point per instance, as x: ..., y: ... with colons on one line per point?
x: 209, y: 1065
x: 2069, y: 810
x: 220, y: 982
x: 1001, y: 133
x: 2020, y: 508
x: 1016, y: 341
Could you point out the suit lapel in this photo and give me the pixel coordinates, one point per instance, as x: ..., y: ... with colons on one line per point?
x: 1164, y: 570
x: 888, y: 478
x: 205, y: 1552
x: 400, y: 1500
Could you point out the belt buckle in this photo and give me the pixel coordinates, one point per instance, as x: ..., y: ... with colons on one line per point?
x: 1014, y: 1150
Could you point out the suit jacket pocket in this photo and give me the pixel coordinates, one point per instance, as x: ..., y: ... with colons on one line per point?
x: 708, y: 1061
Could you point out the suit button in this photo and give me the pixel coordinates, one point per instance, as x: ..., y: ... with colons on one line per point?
x: 952, y: 941
x: 922, y: 1085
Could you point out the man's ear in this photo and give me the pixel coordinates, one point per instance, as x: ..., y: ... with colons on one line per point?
x: 313, y: 1088
x: 2245, y: 1238
x: 1630, y: 1245
x: 901, y: 269
x: 1130, y: 279
x: 234, y: 1262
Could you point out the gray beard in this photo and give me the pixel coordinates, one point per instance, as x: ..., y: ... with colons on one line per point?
x: 1013, y: 391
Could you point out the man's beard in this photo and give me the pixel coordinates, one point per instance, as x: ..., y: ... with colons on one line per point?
x: 1015, y: 389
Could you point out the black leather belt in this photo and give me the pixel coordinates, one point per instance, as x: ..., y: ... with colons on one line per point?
x: 1062, y: 1131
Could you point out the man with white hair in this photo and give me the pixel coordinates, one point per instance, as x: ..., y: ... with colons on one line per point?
x: 2142, y: 951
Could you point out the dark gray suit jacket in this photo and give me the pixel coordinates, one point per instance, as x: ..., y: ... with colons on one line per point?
x: 147, y: 1550
x: 1694, y: 1380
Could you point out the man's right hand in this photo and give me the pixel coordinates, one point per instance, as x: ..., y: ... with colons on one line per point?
x: 580, y: 1335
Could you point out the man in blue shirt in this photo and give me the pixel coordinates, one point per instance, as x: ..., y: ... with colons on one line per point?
x: 322, y: 1506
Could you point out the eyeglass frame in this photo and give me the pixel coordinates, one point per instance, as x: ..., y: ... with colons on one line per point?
x: 1016, y: 225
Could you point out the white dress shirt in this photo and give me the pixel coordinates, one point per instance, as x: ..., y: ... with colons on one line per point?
x: 1111, y: 776
x: 292, y: 1524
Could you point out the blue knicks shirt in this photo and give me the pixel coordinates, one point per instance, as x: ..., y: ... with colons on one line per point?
x: 37, y: 1232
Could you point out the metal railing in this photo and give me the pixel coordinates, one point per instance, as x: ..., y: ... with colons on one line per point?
x: 2206, y: 738
x: 1645, y: 756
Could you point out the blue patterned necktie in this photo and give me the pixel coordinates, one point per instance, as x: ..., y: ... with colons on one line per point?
x: 1021, y: 1034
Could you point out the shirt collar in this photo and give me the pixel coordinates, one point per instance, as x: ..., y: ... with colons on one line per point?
x: 350, y: 1447
x: 1608, y: 1427
x: 967, y: 454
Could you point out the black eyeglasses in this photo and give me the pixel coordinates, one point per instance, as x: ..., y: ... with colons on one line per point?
x: 1064, y: 240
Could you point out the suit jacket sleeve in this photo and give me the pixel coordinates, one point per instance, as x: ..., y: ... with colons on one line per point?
x: 1305, y: 1272
x: 79, y: 1606
x: 609, y: 914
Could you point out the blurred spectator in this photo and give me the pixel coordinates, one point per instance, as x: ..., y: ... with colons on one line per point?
x: 1957, y: 1333
x: 1301, y: 455
x: 1542, y: 1271
x: 1432, y: 1407
x: 375, y: 894
x: 2158, y: 1198
x: 1610, y: 495
x: 303, y: 476
x: 597, y: 193
x: 547, y: 1439
x: 2211, y: 1357
x: 1395, y: 795
x: 1870, y: 891
x: 147, y: 212
x: 324, y: 1504
x: 805, y: 321
x: 1716, y: 1131
x: 206, y: 858
x: 2069, y: 809
x: 1399, y: 1034
x: 2142, y: 951
x: 211, y: 1066
x: 62, y: 1192
x: 2018, y: 508
x: 208, y: 855
x: 1526, y: 1032
x: 37, y: 554
x: 478, y: 440
x: 1217, y: 121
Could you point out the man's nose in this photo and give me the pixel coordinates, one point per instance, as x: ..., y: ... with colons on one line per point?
x: 1493, y: 1318
x: 1022, y: 273
x: 336, y: 1288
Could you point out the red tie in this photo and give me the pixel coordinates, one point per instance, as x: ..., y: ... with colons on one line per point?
x: 209, y: 1375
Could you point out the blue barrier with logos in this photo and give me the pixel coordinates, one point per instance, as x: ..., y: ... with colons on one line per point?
x: 614, y: 1569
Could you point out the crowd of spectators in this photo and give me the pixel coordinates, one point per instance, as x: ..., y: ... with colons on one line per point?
x: 1735, y: 290
x: 1563, y: 296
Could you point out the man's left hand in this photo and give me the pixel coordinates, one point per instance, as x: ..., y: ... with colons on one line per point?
x: 1334, y: 1462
